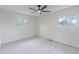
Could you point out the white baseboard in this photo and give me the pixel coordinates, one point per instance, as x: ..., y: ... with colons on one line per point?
x: 59, y: 42
x: 19, y: 40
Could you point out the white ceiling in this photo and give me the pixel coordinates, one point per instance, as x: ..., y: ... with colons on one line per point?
x: 24, y: 8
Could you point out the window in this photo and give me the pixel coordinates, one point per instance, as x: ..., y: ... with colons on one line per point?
x: 20, y: 23
x: 68, y: 20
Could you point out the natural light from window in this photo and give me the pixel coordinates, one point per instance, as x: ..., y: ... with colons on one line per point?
x: 68, y: 20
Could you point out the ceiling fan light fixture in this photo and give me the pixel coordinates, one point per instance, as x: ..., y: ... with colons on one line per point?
x: 39, y: 11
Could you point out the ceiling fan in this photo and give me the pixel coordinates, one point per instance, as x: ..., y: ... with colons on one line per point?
x: 39, y: 10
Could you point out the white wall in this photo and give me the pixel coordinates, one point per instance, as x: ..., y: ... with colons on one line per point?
x: 11, y: 32
x: 49, y: 28
x: 0, y: 31
x: 0, y: 27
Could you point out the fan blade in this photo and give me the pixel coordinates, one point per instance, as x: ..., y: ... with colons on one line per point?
x: 44, y: 7
x: 46, y: 11
x: 33, y: 9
